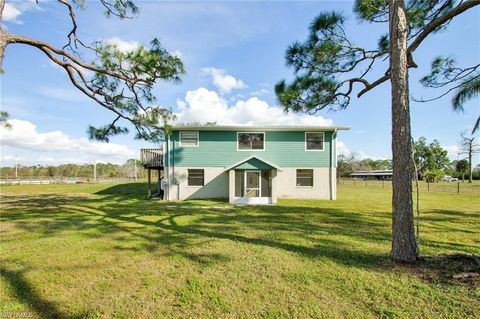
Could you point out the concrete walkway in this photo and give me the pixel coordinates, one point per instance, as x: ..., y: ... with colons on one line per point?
x: 201, y: 207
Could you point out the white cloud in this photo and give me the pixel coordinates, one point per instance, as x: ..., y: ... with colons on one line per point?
x: 10, y: 13
x: 260, y: 92
x: 224, y: 82
x: 122, y: 45
x: 361, y: 155
x: 13, y: 158
x: 177, y: 53
x: 453, y: 151
x: 342, y: 149
x: 14, y: 9
x: 203, y: 105
x: 24, y: 135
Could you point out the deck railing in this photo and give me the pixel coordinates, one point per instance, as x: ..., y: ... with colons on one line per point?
x: 151, y: 157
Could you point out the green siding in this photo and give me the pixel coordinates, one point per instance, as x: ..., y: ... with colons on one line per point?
x: 219, y: 149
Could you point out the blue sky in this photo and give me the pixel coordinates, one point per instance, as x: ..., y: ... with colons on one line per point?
x: 234, y: 55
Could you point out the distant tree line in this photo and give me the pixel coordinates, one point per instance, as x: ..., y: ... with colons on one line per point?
x: 104, y: 170
x: 348, y: 164
x: 431, y: 162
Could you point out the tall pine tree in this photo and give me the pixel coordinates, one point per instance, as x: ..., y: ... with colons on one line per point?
x: 329, y: 68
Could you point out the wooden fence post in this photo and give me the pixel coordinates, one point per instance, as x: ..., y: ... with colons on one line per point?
x: 458, y: 187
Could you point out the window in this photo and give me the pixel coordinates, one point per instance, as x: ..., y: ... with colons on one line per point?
x: 304, y: 177
x: 251, y: 141
x: 188, y: 139
x: 314, y: 141
x: 195, y: 177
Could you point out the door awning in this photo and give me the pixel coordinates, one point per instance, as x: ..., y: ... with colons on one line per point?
x: 252, y: 162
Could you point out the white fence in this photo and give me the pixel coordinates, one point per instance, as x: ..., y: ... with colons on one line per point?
x: 61, y: 180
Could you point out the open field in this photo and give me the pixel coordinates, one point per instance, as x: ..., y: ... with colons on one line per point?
x: 103, y: 251
x: 448, y: 187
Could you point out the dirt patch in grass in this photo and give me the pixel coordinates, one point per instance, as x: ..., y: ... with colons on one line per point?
x: 453, y: 269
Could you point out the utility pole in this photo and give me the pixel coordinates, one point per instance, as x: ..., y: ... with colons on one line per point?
x: 16, y: 167
x: 135, y: 164
x: 94, y: 166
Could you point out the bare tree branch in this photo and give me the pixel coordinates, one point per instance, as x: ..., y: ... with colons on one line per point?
x: 11, y: 38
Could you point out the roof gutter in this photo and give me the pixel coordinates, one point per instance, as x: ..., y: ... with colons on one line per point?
x: 332, y: 162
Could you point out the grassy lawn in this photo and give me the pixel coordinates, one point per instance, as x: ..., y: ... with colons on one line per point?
x: 103, y: 251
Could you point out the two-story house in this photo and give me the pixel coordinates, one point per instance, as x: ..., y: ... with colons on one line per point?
x: 250, y: 164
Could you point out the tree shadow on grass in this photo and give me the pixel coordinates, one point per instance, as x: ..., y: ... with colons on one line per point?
x: 449, y: 269
x: 122, y: 212
x: 117, y: 214
x: 129, y: 190
x: 123, y: 215
x: 26, y: 293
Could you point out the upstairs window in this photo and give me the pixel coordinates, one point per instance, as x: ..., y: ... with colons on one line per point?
x: 251, y: 141
x: 188, y: 139
x: 304, y: 177
x: 196, y: 177
x: 314, y: 141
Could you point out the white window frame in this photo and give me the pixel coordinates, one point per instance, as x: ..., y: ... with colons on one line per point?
x: 323, y: 144
x: 253, y: 150
x: 180, y: 138
x: 197, y: 186
x: 313, y: 177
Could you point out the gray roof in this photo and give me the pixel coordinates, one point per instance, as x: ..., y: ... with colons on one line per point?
x: 372, y: 173
x: 258, y: 128
x: 249, y: 158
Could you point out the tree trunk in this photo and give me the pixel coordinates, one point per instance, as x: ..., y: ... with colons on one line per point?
x: 470, y: 168
x: 3, y: 42
x: 404, y: 247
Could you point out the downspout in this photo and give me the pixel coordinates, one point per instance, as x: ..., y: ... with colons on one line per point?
x: 166, y: 157
x: 174, y: 179
x: 332, y: 161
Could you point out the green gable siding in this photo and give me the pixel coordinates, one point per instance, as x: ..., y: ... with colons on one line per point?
x: 219, y: 149
x: 253, y: 164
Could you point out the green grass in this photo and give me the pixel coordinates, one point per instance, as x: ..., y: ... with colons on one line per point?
x: 104, y: 251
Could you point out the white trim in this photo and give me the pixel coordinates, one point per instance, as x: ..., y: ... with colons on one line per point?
x: 250, y: 128
x: 252, y: 200
x: 323, y: 142
x: 249, y: 158
x: 180, y: 138
x: 251, y: 149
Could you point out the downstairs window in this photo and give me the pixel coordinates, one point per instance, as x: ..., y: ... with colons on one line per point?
x: 304, y: 177
x: 196, y: 177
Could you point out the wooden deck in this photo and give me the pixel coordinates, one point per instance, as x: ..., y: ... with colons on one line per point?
x: 152, y: 158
